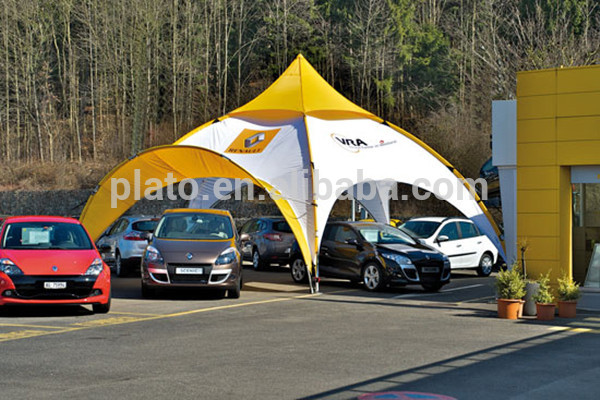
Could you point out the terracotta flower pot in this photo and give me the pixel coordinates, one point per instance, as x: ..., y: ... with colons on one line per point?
x: 545, y: 311
x: 510, y: 308
x: 567, y: 309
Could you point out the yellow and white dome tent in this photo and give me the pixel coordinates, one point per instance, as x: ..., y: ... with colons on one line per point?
x: 298, y: 134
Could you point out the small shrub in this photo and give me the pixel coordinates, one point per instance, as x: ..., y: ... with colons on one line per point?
x: 510, y: 283
x: 544, y: 294
x: 568, y: 290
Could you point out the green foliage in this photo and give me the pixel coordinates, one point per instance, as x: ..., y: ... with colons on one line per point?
x: 544, y: 294
x: 98, y: 80
x: 568, y: 290
x: 510, y: 283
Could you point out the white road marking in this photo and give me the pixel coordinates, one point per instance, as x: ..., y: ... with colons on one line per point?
x: 461, y: 288
x: 405, y: 296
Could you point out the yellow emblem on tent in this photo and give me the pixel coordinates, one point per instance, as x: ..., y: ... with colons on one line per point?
x: 251, y: 141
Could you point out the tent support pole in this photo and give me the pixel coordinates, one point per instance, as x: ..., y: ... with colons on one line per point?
x: 310, y: 281
x: 317, y: 276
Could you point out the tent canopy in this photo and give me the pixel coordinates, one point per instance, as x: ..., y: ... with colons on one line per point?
x: 305, y: 144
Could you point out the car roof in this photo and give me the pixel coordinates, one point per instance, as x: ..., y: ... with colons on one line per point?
x: 197, y: 210
x: 136, y: 218
x: 439, y: 219
x: 41, y: 218
x: 358, y: 224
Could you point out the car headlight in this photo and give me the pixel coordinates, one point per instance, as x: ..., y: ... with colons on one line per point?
x: 153, y: 255
x: 397, y: 258
x: 9, y: 267
x: 95, y: 268
x: 227, y: 257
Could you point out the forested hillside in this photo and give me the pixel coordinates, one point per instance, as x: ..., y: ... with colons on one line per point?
x: 94, y: 81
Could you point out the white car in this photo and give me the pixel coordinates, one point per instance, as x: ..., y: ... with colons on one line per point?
x: 458, y: 238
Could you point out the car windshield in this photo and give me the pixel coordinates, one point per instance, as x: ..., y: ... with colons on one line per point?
x: 45, y: 236
x: 385, y: 235
x: 145, y: 225
x: 196, y: 226
x: 421, y: 229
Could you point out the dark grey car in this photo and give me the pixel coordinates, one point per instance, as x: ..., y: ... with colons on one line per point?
x: 193, y: 248
x: 267, y: 241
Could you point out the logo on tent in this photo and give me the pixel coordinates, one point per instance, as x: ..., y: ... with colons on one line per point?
x: 252, y: 141
x: 354, y: 145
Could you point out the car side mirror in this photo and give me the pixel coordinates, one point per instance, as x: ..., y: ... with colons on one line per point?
x: 244, y: 237
x: 147, y: 236
x: 104, y: 248
x: 442, y: 238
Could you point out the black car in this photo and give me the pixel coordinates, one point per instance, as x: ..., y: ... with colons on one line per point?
x: 376, y: 255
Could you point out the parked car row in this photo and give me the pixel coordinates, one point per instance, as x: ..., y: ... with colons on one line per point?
x: 54, y: 260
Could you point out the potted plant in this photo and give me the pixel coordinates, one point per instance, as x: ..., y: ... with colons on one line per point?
x: 544, y: 300
x: 510, y: 287
x: 568, y: 294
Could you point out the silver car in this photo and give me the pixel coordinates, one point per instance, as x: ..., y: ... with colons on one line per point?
x: 127, y: 242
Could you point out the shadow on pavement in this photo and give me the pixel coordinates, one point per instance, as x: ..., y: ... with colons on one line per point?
x: 36, y: 311
x: 553, y: 365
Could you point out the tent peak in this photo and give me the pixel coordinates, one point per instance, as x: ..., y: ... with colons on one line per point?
x: 301, y: 90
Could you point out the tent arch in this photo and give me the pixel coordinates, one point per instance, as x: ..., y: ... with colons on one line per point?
x: 183, y: 162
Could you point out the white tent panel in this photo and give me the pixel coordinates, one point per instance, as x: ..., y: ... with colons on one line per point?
x: 275, y: 153
x: 352, y: 151
x: 377, y: 201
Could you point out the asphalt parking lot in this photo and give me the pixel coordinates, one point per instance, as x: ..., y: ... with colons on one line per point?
x: 278, y: 341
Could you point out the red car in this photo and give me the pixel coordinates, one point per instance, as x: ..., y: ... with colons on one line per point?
x: 51, y: 260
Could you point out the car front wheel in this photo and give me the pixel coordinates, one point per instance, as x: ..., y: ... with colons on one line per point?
x: 485, y: 265
x: 298, y: 270
x: 236, y: 291
x: 372, y: 277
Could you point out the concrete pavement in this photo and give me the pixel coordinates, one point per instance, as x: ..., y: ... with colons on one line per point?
x: 279, y: 342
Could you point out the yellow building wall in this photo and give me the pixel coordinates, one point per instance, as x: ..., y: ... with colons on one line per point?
x: 558, y: 126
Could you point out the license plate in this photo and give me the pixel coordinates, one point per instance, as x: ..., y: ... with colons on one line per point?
x: 189, y: 271
x: 55, y: 285
x: 430, y: 270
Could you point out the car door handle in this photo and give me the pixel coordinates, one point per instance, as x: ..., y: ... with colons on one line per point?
x: 459, y: 245
x: 324, y: 248
x: 479, y: 242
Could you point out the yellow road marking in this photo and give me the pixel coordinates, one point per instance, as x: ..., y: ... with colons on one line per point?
x: 33, y: 326
x: 559, y: 328
x: 583, y: 330
x: 106, y: 321
x: 22, y: 334
x: 134, y: 313
x: 126, y: 320
x: 572, y: 329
